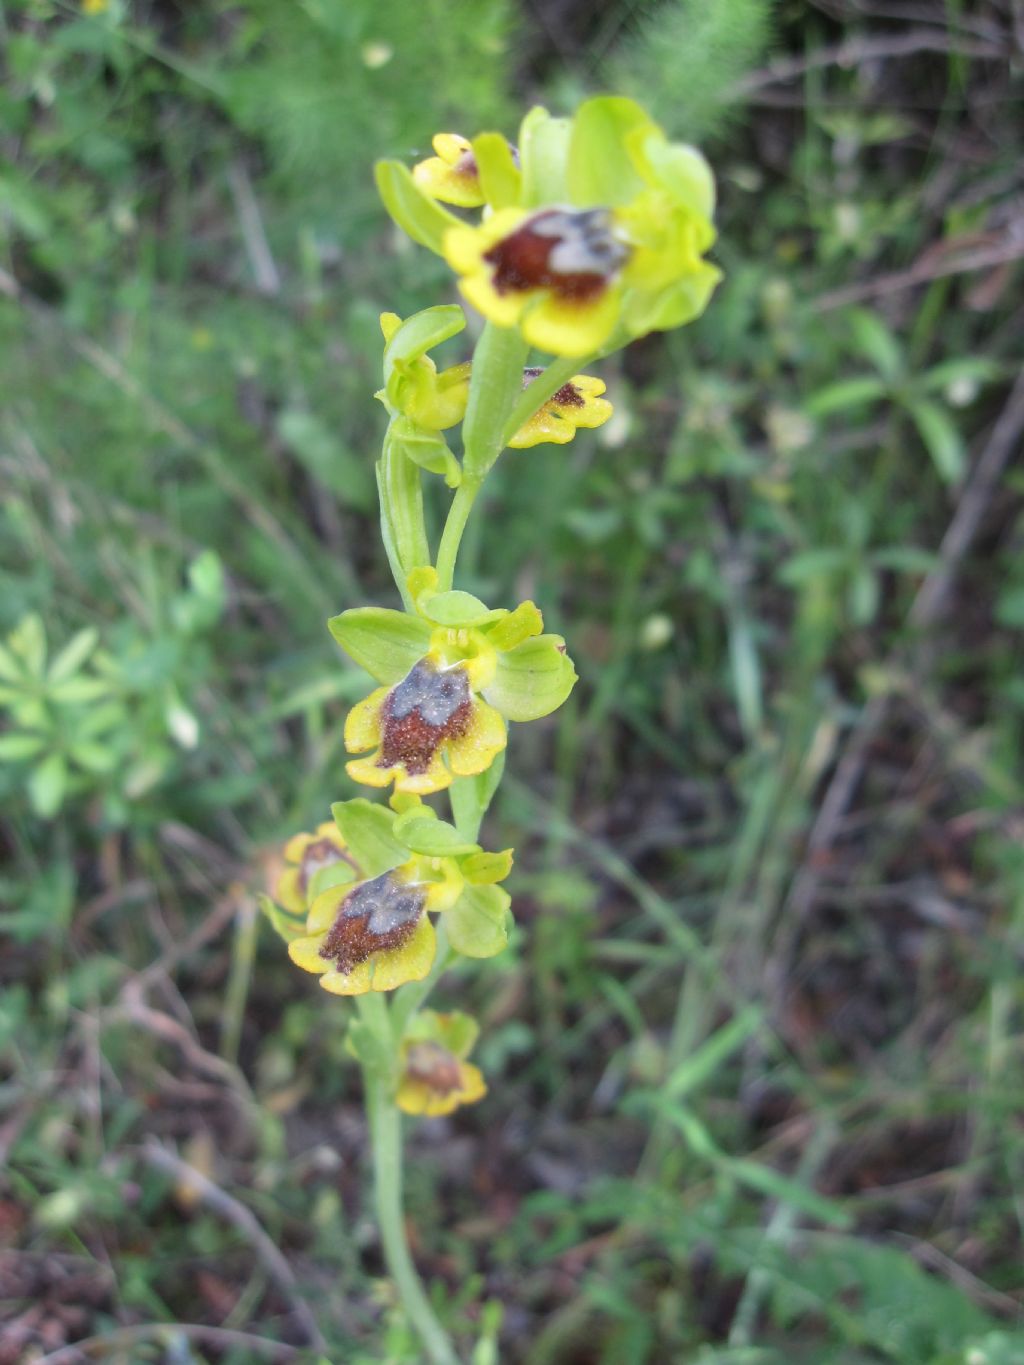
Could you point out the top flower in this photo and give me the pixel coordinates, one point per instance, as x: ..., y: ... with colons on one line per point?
x: 597, y: 237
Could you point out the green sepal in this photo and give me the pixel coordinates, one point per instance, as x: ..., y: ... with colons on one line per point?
x: 517, y: 626
x: 428, y: 449
x: 478, y: 922
x: 679, y: 169
x: 456, y: 1031
x: 501, y: 180
x: 532, y: 680
x: 368, y: 830
x: 458, y: 609
x: 419, y: 334
x: 484, y: 869
x: 287, y: 927
x: 601, y: 170
x: 386, y: 643
x: 662, y: 310
x: 421, y: 217
x: 543, y: 155
x: 422, y: 832
x: 336, y: 874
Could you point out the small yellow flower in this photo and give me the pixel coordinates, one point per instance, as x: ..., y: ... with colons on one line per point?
x: 308, y: 855
x: 429, y: 728
x: 452, y: 175
x: 375, y: 935
x: 576, y: 404
x: 95, y: 6
x: 435, y: 1079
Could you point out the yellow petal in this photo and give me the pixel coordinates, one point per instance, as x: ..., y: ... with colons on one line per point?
x: 442, y: 181
x: 545, y: 426
x: 503, y: 310
x: 305, y: 953
x: 288, y: 892
x: 563, y: 327
x: 324, y: 910
x: 365, y: 770
x: 450, y: 147
x: 412, y: 1096
x: 296, y: 847
x: 484, y: 738
x: 436, y: 778
x: 362, y: 726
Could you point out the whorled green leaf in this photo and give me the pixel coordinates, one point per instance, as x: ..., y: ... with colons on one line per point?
x: 532, y: 680
x: 478, y: 922
x: 47, y: 785
x: 421, y: 217
x: 368, y: 830
x: 74, y: 654
x: 386, y: 643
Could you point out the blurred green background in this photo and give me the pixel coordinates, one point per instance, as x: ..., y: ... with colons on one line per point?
x: 755, y: 1054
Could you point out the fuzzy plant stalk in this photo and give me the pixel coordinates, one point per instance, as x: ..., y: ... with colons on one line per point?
x: 589, y: 232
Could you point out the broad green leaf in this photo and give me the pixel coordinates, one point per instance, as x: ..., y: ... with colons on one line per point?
x: 847, y: 393
x: 478, y: 922
x: 74, y: 654
x: 875, y: 342
x: 432, y: 837
x: 500, y: 178
x: 368, y: 830
x: 543, y: 155
x: 786, y: 1191
x: 46, y: 786
x: 601, y: 169
x: 421, y: 333
x: 15, y: 747
x: 532, y: 680
x: 941, y: 438
x: 386, y: 643
x: 415, y: 212
x: 975, y: 370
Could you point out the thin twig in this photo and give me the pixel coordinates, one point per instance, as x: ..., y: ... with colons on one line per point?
x: 222, y: 1337
x: 860, y: 50
x: 257, y: 248
x: 244, y: 1220
x: 985, y: 258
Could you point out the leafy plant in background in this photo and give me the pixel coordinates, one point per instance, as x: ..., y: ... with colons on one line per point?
x: 594, y: 233
x: 105, y: 720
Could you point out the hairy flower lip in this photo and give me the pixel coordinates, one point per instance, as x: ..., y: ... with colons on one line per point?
x: 427, y: 707
x: 376, y: 916
x: 572, y: 252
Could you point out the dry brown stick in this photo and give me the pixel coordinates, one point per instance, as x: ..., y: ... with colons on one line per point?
x: 859, y: 50
x: 246, y: 1222
x: 985, y: 258
x: 927, y: 605
x: 123, y: 1337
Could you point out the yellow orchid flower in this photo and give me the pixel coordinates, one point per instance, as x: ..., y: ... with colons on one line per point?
x: 452, y: 675
x: 307, y: 856
x: 452, y: 175
x: 576, y: 404
x: 375, y: 935
x: 435, y: 1078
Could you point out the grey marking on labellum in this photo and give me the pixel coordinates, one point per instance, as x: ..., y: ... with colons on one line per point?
x: 426, y: 707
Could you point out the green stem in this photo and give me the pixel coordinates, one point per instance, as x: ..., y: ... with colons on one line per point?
x: 386, y: 1140
x: 451, y: 536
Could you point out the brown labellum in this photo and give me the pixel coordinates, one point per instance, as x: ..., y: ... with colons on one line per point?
x: 428, y: 706
x: 373, y: 917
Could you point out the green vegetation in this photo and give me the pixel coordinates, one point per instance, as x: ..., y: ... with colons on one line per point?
x: 754, y: 1055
